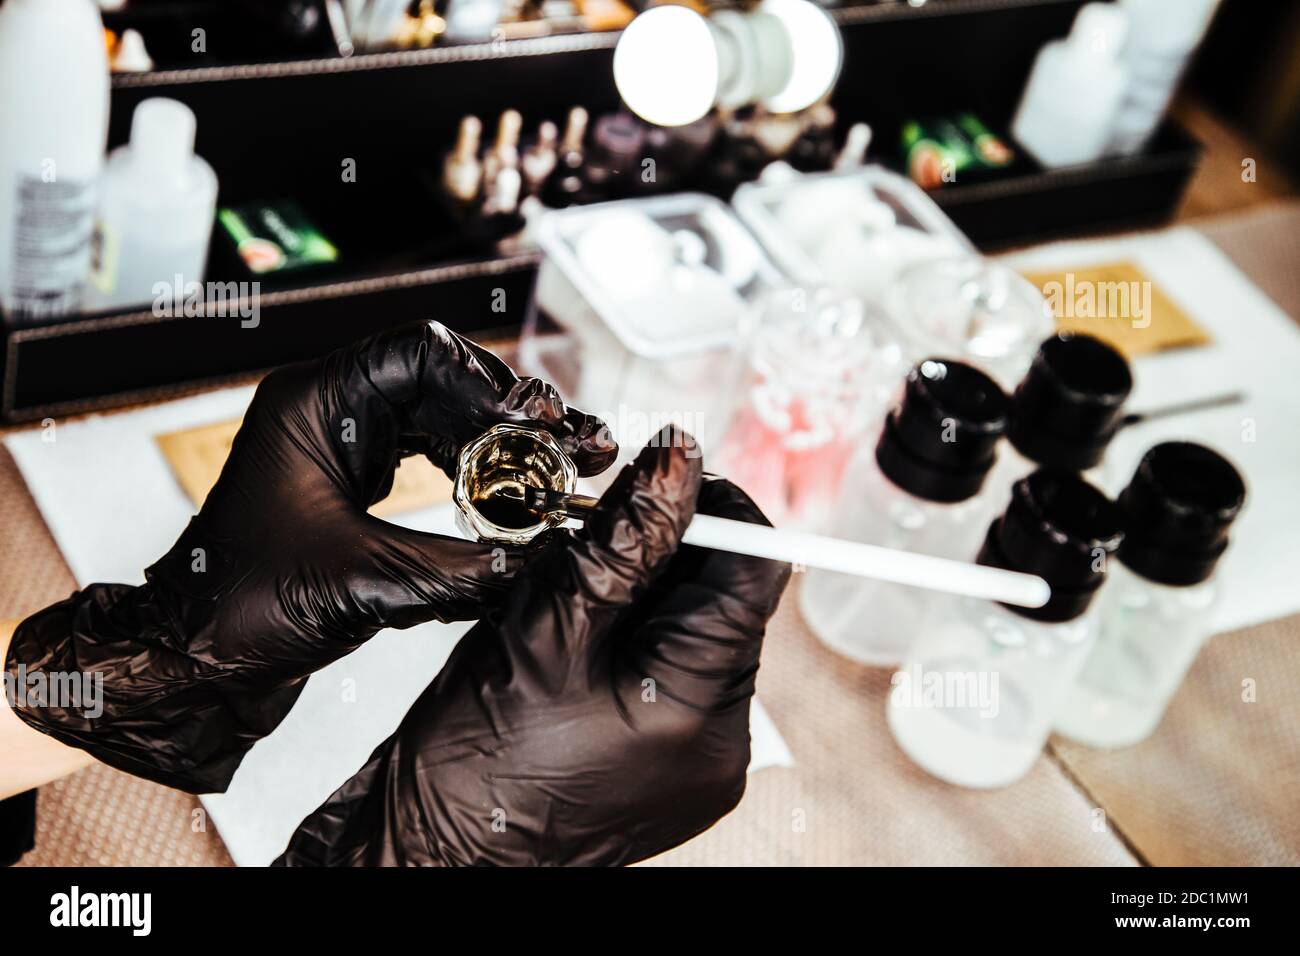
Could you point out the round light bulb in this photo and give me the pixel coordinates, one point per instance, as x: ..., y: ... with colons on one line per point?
x: 666, y: 66
x: 818, y: 54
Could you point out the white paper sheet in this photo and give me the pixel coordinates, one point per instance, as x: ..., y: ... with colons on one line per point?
x: 109, y: 497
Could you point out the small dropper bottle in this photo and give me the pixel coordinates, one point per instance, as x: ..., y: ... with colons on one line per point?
x: 1157, y: 611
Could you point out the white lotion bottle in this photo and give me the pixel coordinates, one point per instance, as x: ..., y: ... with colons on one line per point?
x: 1161, y: 38
x: 54, y: 128
x: 156, y: 212
x: 1157, y: 611
x: 1068, y: 111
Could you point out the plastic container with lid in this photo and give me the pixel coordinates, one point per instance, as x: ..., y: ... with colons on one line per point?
x: 917, y: 490
x: 1156, y: 611
x: 976, y: 699
x: 855, y: 231
x: 638, y: 312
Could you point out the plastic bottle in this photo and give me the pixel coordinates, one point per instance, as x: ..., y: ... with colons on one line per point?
x: 1067, y: 409
x: 1161, y: 38
x: 158, y: 202
x: 1068, y: 111
x: 918, y: 491
x: 1156, y: 613
x: 53, y: 127
x: 977, y: 697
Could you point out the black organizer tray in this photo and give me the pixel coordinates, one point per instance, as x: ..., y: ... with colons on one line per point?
x: 282, y: 130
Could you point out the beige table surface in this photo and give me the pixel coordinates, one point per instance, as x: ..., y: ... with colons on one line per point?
x: 1216, y: 784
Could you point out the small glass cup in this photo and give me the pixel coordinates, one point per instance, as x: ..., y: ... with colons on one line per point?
x: 506, y: 458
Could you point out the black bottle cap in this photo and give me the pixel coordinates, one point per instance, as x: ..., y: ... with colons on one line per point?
x: 1070, y: 404
x: 941, y: 440
x: 1062, y: 529
x: 1177, y: 512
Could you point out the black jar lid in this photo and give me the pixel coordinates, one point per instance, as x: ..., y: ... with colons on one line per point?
x: 1070, y: 404
x: 941, y: 440
x: 1062, y: 529
x: 1178, y: 510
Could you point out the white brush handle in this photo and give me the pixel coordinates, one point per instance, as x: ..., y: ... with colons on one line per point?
x: 868, y: 561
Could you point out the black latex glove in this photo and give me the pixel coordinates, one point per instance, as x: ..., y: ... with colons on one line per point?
x: 283, y: 571
x: 600, y: 716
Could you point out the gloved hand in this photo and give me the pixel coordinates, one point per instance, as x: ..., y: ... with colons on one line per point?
x: 282, y: 571
x: 599, y: 716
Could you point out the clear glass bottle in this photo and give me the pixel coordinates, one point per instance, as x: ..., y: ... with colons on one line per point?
x: 976, y: 699
x: 1157, y: 612
x: 822, y: 370
x: 1066, y: 410
x: 918, y: 490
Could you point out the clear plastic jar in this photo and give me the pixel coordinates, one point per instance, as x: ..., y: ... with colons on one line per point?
x: 916, y: 489
x: 874, y: 622
x: 1002, y: 676
x: 1178, y: 509
x: 979, y: 693
x: 1150, y: 635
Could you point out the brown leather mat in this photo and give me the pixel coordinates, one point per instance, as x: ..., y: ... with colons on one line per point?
x: 1216, y: 784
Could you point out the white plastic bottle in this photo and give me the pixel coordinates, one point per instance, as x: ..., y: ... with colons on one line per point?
x: 977, y: 697
x: 53, y: 130
x: 1156, y: 612
x: 155, y: 215
x: 1068, y: 111
x: 917, y: 490
x: 1161, y: 38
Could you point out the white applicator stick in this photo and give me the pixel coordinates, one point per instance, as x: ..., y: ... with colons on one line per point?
x: 834, y: 554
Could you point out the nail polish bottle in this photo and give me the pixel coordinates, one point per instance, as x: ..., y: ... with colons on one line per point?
x: 565, y: 184
x: 1156, y: 612
x: 540, y: 158
x: 462, y: 173
x: 504, y: 153
x: 918, y: 491
x: 978, y: 695
x: 1067, y: 408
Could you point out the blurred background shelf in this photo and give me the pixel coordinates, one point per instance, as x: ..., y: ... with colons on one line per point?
x: 281, y: 126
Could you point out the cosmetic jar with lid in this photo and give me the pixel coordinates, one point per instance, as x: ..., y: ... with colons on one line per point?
x: 1157, y: 610
x: 976, y: 699
x: 917, y: 489
x: 638, y: 310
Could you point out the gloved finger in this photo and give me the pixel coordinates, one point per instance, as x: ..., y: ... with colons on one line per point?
x: 706, y: 615
x: 576, y: 588
x: 422, y: 386
x: 399, y: 577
